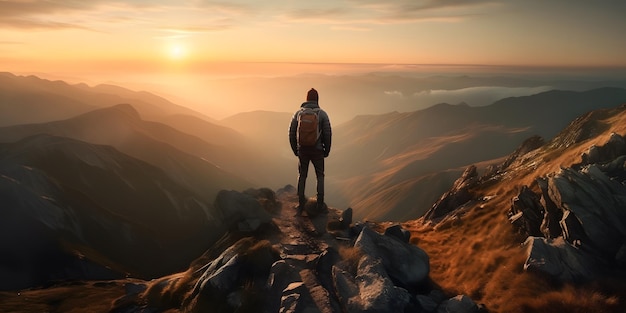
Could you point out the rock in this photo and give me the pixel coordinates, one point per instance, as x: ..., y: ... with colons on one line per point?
x: 347, y: 290
x: 396, y: 231
x: 526, y: 212
x: 458, y: 195
x: 614, y: 148
x: 550, y: 226
x: 559, y: 259
x: 320, y: 295
x: 246, y: 261
x: 292, y: 300
x: 530, y: 144
x: 266, y: 197
x: 427, y: 303
x: 242, y: 210
x: 377, y: 293
x: 346, y: 218
x: 281, y: 275
x: 583, y: 219
x: 324, y: 267
x: 406, y: 264
x: 458, y: 304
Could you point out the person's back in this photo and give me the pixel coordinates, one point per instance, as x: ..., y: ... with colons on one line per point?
x: 310, y: 143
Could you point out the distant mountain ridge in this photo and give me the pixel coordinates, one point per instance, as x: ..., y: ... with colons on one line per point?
x: 30, y: 99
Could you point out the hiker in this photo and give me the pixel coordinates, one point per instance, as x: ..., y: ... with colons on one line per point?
x: 310, y: 137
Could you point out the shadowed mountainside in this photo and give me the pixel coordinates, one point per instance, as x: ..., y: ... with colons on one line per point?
x: 187, y: 159
x: 73, y: 210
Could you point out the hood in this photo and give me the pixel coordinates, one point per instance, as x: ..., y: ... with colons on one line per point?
x: 310, y: 104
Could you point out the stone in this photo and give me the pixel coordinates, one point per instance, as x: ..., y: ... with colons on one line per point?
x: 241, y: 210
x: 377, y: 293
x: 406, y: 264
x: 396, y: 231
x: 427, y: 303
x: 458, y: 304
x: 346, y: 218
x: 559, y: 259
x: 458, y: 195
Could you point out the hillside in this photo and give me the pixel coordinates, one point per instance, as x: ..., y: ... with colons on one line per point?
x: 489, y: 244
x: 73, y: 210
x: 385, y: 158
x: 103, y: 199
x: 475, y: 231
x: 187, y: 159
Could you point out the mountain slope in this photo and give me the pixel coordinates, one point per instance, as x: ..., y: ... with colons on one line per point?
x: 388, y: 151
x: 83, y: 208
x: 30, y: 99
x: 475, y: 250
x: 189, y: 160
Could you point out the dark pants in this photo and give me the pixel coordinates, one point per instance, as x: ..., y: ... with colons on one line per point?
x: 317, y: 158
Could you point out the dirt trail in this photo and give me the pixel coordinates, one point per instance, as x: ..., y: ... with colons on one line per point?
x: 302, y: 235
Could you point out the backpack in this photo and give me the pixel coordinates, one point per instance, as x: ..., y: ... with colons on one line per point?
x: 308, y: 127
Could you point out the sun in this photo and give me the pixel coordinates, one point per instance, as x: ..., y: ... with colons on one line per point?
x: 177, y: 52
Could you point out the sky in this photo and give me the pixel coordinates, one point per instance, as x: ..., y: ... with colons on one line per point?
x: 172, y: 43
x: 147, y: 35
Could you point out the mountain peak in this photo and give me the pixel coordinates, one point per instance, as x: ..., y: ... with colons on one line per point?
x: 126, y: 109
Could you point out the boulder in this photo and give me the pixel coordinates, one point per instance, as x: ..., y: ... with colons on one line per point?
x: 377, y: 293
x: 407, y: 265
x: 346, y: 218
x: 559, y: 259
x: 427, y: 303
x: 458, y: 195
x: 281, y: 275
x: 583, y: 222
x: 241, y: 210
x: 247, y: 261
x: 458, y: 304
x: 396, y: 231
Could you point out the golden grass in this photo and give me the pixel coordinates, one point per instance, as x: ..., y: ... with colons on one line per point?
x: 351, y: 256
x: 479, y: 255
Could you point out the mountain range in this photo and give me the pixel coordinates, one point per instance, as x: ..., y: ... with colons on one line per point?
x: 540, y: 230
x: 99, y: 182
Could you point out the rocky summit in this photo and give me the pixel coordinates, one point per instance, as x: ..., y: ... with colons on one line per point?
x: 318, y: 262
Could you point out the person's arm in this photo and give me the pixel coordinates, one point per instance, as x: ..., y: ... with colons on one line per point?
x: 327, y: 133
x: 293, y: 128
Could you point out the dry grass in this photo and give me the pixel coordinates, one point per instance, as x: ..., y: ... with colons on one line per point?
x: 351, y: 256
x: 480, y: 254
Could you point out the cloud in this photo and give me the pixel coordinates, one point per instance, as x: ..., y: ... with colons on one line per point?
x: 62, y: 14
x: 407, y: 11
x: 32, y: 14
x: 476, y: 96
x: 359, y: 13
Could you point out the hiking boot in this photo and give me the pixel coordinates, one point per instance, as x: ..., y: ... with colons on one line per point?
x: 320, y: 205
x: 299, y: 209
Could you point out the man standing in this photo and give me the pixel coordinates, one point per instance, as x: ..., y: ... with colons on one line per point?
x: 310, y: 138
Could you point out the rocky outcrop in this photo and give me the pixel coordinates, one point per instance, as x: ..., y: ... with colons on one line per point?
x: 304, y: 267
x: 575, y: 219
x: 459, y: 194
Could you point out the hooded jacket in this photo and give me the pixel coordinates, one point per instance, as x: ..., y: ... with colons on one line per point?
x: 324, y: 142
